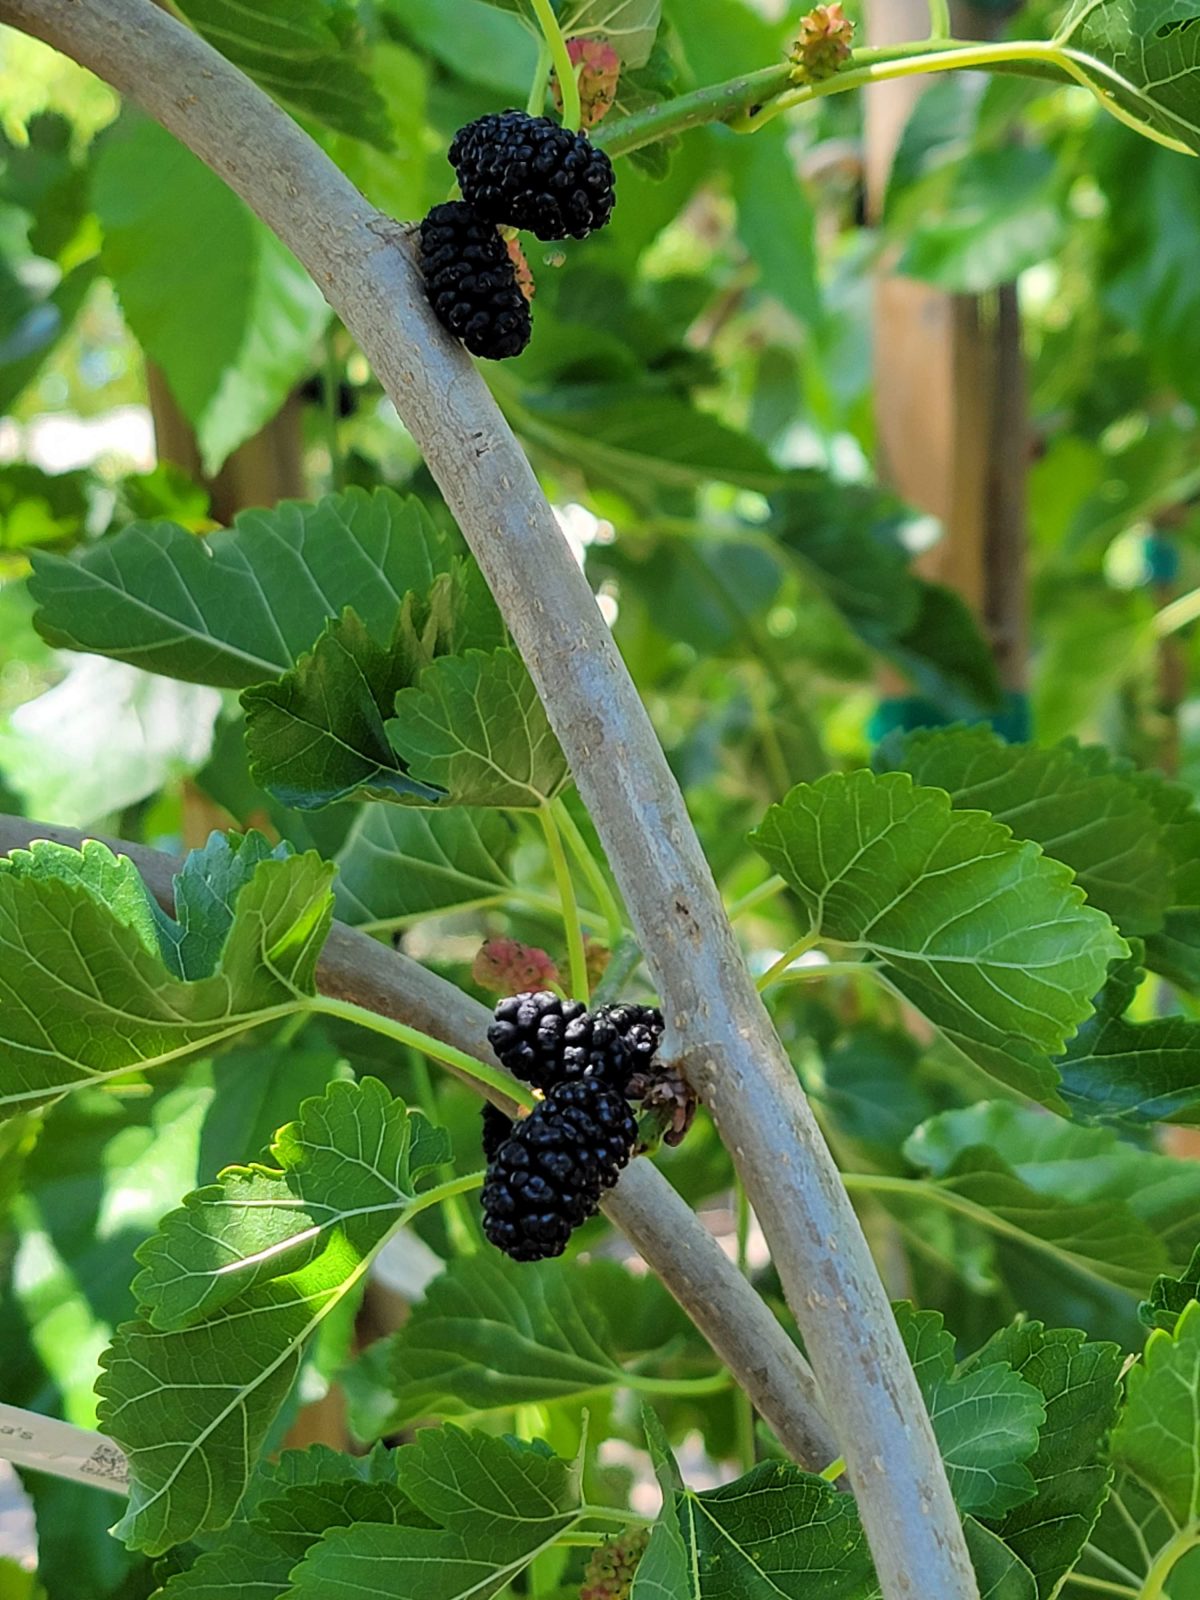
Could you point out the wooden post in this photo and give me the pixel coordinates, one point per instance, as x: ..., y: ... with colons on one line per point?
x: 266, y: 469
x: 950, y: 391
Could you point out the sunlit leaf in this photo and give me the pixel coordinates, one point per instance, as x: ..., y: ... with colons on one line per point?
x: 1156, y: 1435
x: 263, y: 1256
x: 982, y: 933
x: 399, y: 863
x: 1171, y: 1295
x: 1142, y: 58
x: 83, y: 999
x: 494, y: 1504
x: 243, y: 604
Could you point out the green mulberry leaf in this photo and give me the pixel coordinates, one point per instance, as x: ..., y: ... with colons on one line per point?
x: 263, y: 1257
x: 984, y: 934
x: 986, y: 1418
x: 475, y: 729
x: 83, y: 999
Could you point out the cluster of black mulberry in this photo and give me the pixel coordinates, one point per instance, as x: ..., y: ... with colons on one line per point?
x: 547, y: 1171
x: 514, y: 171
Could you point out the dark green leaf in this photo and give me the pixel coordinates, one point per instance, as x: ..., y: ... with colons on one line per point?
x: 1108, y: 1208
x: 1080, y: 811
x: 256, y: 1090
x: 1081, y: 1385
x: 318, y: 734
x: 205, y: 894
x: 398, y: 864
x: 1171, y: 1295
x: 1001, y: 1573
x: 496, y: 1504
x: 845, y: 537
x: 254, y: 1560
x: 637, y: 442
x: 1135, y: 1071
x: 1132, y: 1530
x: 475, y: 729
x: 1175, y: 952
x: 870, y: 1088
x: 775, y: 1534
x: 296, y: 53
x: 946, y: 655
x: 986, y: 1418
x: 490, y: 1336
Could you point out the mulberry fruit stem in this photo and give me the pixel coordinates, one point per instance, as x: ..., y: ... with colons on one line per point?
x: 461, y: 1230
x: 939, y: 19
x: 536, y: 104
x: 469, y: 1066
x: 593, y: 872
x: 743, y: 1405
x: 572, y: 109
x: 576, y: 951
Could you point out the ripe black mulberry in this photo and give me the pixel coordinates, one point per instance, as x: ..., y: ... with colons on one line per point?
x: 471, y: 282
x: 496, y: 1129
x: 530, y: 1035
x: 547, y: 1177
x: 530, y: 172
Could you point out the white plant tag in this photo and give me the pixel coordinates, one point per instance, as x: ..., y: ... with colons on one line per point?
x: 47, y: 1445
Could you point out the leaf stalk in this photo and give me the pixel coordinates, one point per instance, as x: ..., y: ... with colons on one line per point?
x: 567, y: 82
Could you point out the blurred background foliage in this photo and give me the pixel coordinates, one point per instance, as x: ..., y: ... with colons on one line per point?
x: 698, y: 400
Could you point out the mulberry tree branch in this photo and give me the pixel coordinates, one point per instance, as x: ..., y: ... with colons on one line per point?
x: 664, y: 1230
x: 720, y: 1028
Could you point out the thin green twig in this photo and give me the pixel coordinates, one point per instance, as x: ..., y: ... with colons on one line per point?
x: 1178, y: 1546
x: 460, y: 1228
x: 576, y: 952
x: 747, y: 1446
x: 939, y: 19
x: 593, y: 872
x: 713, y: 1383
x: 754, y: 898
x: 800, y: 948
x: 568, y: 84
x: 536, y: 104
x: 347, y: 1011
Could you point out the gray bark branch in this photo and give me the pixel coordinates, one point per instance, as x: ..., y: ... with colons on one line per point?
x: 666, y: 1233
x: 720, y: 1027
